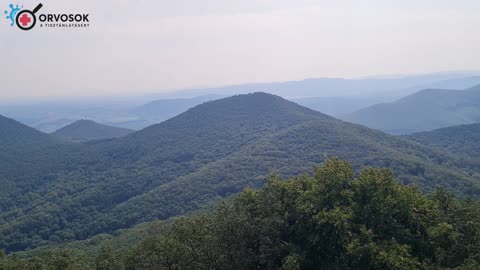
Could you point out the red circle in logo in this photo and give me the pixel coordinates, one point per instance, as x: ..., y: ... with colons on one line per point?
x: 26, y: 20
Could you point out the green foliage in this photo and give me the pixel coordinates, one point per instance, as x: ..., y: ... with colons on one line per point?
x: 60, y: 260
x: 462, y: 140
x: 55, y: 193
x: 106, y: 260
x: 331, y: 220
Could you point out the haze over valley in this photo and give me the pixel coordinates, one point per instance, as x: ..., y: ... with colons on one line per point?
x: 253, y: 134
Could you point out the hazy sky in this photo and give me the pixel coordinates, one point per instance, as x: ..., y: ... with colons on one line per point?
x: 157, y: 45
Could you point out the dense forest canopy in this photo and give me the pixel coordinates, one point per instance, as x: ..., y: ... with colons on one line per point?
x: 333, y: 219
x: 252, y: 134
x: 56, y: 192
x: 462, y: 140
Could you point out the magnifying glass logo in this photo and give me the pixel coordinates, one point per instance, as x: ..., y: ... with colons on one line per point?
x: 27, y: 19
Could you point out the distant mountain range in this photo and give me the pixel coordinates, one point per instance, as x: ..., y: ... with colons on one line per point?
x: 333, y: 96
x: 337, y: 106
x: 462, y: 140
x: 374, y: 87
x: 87, y: 130
x: 423, y: 111
x: 55, y: 191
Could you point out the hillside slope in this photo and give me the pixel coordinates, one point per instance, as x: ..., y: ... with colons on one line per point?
x: 86, y: 130
x: 207, y: 153
x: 21, y: 144
x: 426, y: 110
x: 462, y: 140
x: 321, y: 217
x: 28, y: 158
x: 157, y: 111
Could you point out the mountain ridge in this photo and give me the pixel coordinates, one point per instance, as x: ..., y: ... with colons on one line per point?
x: 425, y: 110
x: 210, y: 152
x: 462, y: 139
x: 88, y: 130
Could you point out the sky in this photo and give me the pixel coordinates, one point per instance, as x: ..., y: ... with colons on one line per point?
x: 142, y: 46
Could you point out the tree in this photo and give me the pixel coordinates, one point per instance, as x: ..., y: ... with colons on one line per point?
x: 105, y: 259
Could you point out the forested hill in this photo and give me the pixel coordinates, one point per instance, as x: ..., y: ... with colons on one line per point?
x: 463, y: 139
x: 14, y: 134
x: 210, y: 152
x: 21, y: 146
x: 28, y: 158
x: 86, y: 130
x: 423, y: 111
x: 334, y: 219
